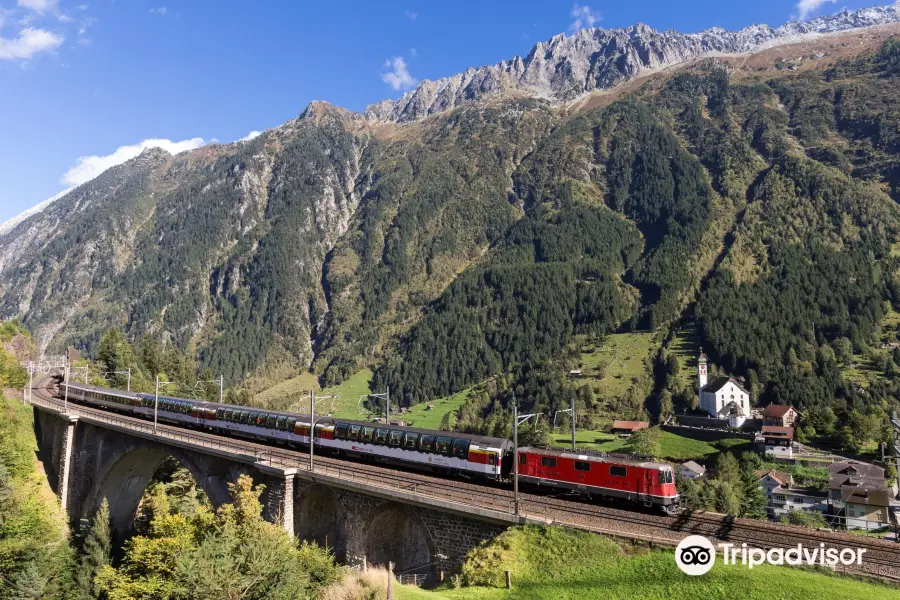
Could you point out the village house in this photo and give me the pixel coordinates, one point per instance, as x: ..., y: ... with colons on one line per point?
x: 858, y: 493
x: 784, y: 497
x: 691, y: 470
x: 779, y: 415
x: 628, y: 427
x: 721, y: 397
x: 777, y: 441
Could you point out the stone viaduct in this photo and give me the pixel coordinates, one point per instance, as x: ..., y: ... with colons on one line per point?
x: 87, y: 460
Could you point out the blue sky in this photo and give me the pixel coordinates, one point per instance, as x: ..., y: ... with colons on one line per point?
x: 84, y: 82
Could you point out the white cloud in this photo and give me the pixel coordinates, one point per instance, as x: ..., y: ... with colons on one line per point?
x: 412, y: 16
x: 161, y: 11
x: 31, y: 41
x: 807, y: 7
x: 398, y: 77
x: 250, y: 136
x: 82, y: 7
x: 584, y: 17
x: 414, y: 53
x: 38, y: 6
x: 88, y: 167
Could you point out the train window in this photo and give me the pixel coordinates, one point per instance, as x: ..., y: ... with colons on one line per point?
x: 290, y: 424
x: 426, y: 443
x: 241, y: 416
x: 410, y: 440
x: 228, y: 414
x: 253, y: 417
x: 280, y: 423
x: 461, y: 449
x: 270, y: 421
x: 443, y: 445
x: 354, y: 432
x: 381, y: 436
x: 617, y: 471
x: 341, y: 431
x: 492, y: 459
x: 396, y: 438
x: 582, y: 465
x: 670, y: 477
x: 523, y: 459
x: 366, y: 433
x: 548, y: 461
x: 661, y: 477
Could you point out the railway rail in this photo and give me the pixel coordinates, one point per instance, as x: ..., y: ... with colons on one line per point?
x: 882, y: 559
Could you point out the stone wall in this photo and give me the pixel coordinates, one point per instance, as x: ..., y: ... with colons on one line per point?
x: 112, y: 464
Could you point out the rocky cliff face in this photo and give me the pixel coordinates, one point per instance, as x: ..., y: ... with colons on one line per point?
x: 184, y: 246
x: 566, y: 67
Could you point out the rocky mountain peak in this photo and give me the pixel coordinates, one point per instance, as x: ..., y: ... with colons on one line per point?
x: 564, y: 68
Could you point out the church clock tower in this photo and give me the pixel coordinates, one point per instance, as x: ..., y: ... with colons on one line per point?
x: 702, y: 363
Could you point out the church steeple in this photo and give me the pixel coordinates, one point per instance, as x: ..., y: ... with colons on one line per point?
x: 702, y: 369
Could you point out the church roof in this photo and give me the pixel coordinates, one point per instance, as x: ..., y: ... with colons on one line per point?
x: 717, y: 383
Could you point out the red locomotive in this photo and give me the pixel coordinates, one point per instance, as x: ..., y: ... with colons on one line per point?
x: 599, y: 475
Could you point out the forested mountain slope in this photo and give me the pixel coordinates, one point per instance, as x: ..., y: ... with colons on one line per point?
x: 749, y: 200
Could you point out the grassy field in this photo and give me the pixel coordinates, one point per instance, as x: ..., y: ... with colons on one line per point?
x: 288, y: 393
x: 348, y: 392
x: 620, y: 357
x: 685, y: 345
x: 420, y: 416
x: 293, y: 395
x: 561, y: 564
x: 674, y: 447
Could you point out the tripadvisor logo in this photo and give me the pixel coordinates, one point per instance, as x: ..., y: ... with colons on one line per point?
x: 696, y: 555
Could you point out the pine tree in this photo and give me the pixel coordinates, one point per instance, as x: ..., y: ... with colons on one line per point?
x: 95, y: 554
x: 753, y: 500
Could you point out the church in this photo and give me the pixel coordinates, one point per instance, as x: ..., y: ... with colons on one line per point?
x: 722, y: 397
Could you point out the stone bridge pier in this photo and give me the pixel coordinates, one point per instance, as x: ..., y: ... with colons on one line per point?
x: 89, y: 460
x: 360, y: 528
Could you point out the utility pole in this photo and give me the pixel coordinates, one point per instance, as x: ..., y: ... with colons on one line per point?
x: 312, y: 424
x: 30, y: 379
x: 572, y: 410
x: 156, y: 400
x: 66, y: 384
x: 387, y: 403
x: 516, y: 455
x: 220, y: 381
x: 312, y: 427
x: 517, y: 420
x: 128, y: 373
x: 156, y: 403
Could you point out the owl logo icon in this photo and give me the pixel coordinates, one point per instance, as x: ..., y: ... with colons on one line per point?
x: 695, y: 555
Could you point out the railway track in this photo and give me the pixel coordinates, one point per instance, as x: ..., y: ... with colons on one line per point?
x: 882, y: 559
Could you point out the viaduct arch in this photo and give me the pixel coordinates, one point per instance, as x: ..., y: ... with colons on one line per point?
x: 88, y: 459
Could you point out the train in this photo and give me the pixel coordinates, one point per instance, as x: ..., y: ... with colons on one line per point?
x: 591, y: 474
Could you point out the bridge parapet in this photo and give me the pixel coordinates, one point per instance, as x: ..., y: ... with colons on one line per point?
x: 92, y: 455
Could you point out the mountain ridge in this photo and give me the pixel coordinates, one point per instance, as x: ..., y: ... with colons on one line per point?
x: 565, y: 68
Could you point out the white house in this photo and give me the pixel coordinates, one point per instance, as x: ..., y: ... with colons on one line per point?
x: 784, y: 497
x: 721, y: 397
x: 691, y: 470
